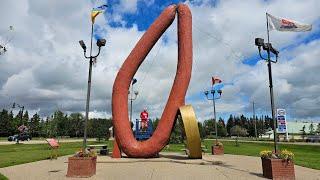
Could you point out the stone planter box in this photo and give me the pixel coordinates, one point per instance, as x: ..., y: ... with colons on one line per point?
x: 81, y: 166
x: 217, y: 150
x: 278, y: 169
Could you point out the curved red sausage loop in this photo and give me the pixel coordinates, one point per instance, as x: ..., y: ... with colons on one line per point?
x: 124, y: 136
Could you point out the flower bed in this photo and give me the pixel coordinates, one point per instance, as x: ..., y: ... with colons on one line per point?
x: 217, y: 149
x: 278, y: 166
x: 83, y: 164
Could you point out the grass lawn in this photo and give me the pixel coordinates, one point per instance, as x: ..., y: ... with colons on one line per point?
x: 2, y: 177
x: 23, y: 153
x: 305, y: 155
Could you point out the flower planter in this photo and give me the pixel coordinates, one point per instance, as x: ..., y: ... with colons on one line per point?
x: 277, y: 168
x: 217, y: 150
x: 81, y: 166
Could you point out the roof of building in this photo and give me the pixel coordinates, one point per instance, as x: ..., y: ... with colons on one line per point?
x: 296, y: 127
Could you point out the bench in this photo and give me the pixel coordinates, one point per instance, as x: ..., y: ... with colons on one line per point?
x: 103, y: 148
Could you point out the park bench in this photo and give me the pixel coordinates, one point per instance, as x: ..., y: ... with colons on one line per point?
x: 103, y: 148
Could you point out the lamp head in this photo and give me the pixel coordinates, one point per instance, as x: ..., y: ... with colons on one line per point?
x: 213, y: 91
x: 206, y: 93
x: 136, y: 93
x: 268, y: 46
x: 101, y: 42
x: 259, y: 42
x: 84, y: 47
x: 220, y: 91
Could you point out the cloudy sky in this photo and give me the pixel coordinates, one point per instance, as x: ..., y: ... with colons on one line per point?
x: 44, y: 68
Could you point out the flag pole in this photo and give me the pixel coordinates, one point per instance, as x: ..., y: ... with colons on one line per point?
x: 271, y: 92
x: 268, y: 27
x: 88, y: 93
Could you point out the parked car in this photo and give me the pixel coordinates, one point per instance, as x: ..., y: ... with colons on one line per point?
x: 313, y: 139
x: 22, y: 137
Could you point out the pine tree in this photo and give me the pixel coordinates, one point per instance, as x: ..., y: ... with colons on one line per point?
x: 25, y: 118
x: 4, y: 123
x: 230, y: 123
x: 311, y: 129
x: 318, y: 128
x: 34, y: 125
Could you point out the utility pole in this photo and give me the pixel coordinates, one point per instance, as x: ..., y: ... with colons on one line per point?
x: 255, y: 121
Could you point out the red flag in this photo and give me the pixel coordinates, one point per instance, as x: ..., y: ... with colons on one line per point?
x: 215, y: 80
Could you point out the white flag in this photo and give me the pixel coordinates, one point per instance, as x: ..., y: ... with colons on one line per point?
x: 282, y: 24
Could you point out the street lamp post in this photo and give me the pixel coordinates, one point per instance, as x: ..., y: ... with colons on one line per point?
x: 214, y: 106
x: 133, y: 96
x: 268, y: 47
x: 100, y: 43
x: 255, y: 121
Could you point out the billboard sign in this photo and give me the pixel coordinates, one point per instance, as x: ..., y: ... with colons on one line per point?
x: 281, y: 119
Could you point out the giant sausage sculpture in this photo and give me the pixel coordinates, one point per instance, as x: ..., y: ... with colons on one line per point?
x: 123, y: 132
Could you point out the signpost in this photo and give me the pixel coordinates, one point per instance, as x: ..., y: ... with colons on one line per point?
x: 282, y: 123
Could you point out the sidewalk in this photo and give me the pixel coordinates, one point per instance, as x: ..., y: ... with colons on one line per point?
x: 169, y: 166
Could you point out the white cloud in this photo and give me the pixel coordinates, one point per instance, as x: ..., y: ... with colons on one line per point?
x: 44, y: 68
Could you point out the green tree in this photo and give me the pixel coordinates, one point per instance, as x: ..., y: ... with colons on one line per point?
x: 222, y: 131
x: 208, y: 126
x: 230, y: 123
x: 318, y: 128
x: 155, y: 123
x: 177, y: 134
x: 34, y: 125
x: 303, y: 132
x: 25, y: 118
x: 99, y: 128
x: 4, y: 123
x: 311, y: 129
x: 238, y: 131
x: 75, y: 125
x: 201, y: 130
x: 61, y: 122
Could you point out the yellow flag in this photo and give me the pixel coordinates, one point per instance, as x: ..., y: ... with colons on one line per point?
x: 96, y: 11
x: 94, y: 14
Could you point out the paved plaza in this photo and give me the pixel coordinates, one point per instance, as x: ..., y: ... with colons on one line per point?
x: 168, y: 166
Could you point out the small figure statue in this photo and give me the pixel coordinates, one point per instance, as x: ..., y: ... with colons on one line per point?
x: 144, y: 115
